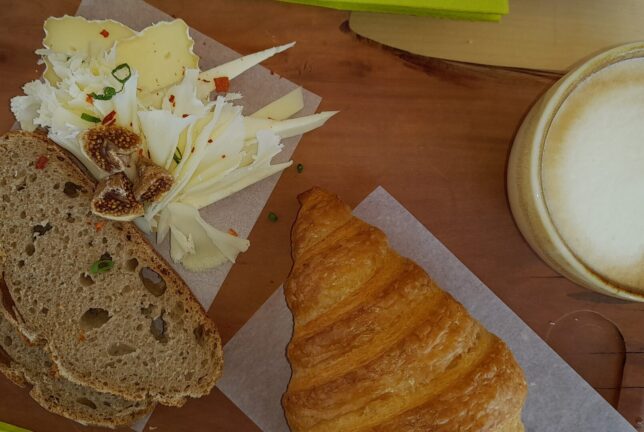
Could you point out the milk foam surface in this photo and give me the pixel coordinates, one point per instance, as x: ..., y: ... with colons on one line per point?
x: 593, y: 172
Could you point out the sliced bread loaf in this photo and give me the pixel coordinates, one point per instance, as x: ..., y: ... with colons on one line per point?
x: 24, y: 363
x: 134, y: 329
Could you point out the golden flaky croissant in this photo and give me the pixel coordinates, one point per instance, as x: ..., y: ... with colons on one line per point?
x: 377, y: 346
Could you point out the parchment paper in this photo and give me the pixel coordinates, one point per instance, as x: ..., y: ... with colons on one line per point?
x: 256, y: 371
x: 258, y: 87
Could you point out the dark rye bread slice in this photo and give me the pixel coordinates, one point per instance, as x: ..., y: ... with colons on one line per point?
x: 27, y: 363
x: 136, y: 330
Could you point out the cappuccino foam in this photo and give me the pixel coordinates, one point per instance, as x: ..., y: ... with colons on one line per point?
x: 593, y: 172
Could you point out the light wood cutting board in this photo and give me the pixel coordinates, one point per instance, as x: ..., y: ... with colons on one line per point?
x: 549, y: 35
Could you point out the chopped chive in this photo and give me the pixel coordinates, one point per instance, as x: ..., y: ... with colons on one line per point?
x: 101, y: 266
x: 90, y: 118
x: 300, y: 168
x: 272, y: 217
x: 121, y: 76
x: 108, y: 93
x: 121, y: 73
x: 177, y: 156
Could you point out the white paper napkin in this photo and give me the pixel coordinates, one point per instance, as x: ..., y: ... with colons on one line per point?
x: 258, y: 87
x: 256, y: 371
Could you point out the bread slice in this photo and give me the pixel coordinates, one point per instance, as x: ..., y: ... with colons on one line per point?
x: 26, y: 363
x: 136, y: 330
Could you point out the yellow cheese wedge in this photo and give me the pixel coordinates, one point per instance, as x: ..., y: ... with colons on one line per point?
x: 159, y: 53
x: 234, y: 68
x: 73, y: 34
x: 282, y: 108
x: 549, y: 35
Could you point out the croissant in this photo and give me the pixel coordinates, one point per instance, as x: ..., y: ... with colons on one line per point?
x: 377, y: 346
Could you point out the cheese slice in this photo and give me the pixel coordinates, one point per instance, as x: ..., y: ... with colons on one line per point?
x: 282, y: 108
x: 286, y: 128
x: 235, y: 68
x: 159, y: 53
x: 73, y: 34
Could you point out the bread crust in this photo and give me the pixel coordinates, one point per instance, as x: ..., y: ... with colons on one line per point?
x: 176, y: 306
x: 377, y: 346
x: 30, y: 364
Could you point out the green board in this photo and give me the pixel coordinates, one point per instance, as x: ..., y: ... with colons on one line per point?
x: 4, y: 427
x: 472, y: 10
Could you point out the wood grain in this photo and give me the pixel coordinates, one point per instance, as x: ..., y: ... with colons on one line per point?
x: 436, y: 135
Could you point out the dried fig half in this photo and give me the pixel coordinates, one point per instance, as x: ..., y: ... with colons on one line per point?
x: 153, y: 181
x: 114, y: 199
x: 107, y: 145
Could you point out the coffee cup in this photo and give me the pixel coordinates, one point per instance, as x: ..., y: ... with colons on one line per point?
x: 576, y: 174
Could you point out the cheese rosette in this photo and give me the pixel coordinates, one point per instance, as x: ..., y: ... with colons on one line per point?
x: 150, y: 82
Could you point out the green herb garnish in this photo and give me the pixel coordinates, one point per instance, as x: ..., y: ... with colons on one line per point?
x: 122, y: 73
x: 101, y: 266
x: 108, y: 93
x: 300, y: 168
x: 272, y: 217
x: 177, y: 156
x: 90, y: 118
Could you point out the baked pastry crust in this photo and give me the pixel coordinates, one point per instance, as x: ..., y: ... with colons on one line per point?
x: 377, y: 346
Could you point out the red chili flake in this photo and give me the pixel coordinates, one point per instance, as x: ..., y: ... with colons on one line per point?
x: 210, y: 141
x: 89, y: 99
x: 81, y: 337
x: 104, y: 33
x: 171, y: 99
x: 99, y: 225
x: 185, y: 115
x: 41, y: 162
x: 110, y: 118
x: 222, y: 84
x: 232, y: 232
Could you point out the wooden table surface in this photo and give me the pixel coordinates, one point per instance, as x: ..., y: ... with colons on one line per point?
x: 436, y: 135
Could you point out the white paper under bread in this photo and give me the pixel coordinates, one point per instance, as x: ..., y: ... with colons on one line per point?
x: 258, y: 87
x: 256, y: 371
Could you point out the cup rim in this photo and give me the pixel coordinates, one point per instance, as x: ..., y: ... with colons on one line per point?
x: 552, y: 105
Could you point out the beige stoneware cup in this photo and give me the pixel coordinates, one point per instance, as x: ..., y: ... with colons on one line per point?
x: 524, y: 180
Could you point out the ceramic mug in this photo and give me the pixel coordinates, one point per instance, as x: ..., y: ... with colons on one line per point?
x: 525, y: 187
